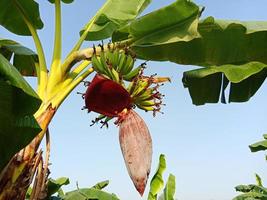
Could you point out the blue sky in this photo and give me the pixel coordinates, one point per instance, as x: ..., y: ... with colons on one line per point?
x: 206, y: 147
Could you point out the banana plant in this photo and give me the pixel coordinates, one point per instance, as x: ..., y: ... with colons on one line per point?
x: 238, y: 59
x: 254, y: 191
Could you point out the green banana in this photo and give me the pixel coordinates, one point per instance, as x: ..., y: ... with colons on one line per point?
x: 128, y: 66
x: 146, y: 95
x: 115, y: 61
x: 147, y: 103
x: 122, y: 60
x: 97, y: 65
x: 131, y: 87
x: 141, y: 86
x: 109, y: 57
x: 103, y: 60
x: 132, y: 74
x: 115, y: 75
x: 145, y: 108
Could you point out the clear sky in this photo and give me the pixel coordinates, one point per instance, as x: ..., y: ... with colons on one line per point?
x: 206, y: 147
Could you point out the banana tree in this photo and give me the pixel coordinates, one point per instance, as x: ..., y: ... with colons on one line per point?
x: 230, y: 53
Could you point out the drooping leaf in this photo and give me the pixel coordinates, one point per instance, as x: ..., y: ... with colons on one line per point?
x: 18, y: 103
x: 259, y: 146
x: 53, y: 186
x: 113, y: 15
x: 206, y: 84
x: 169, y: 189
x: 13, y: 13
x: 23, y: 57
x: 157, y: 182
x: 89, y: 193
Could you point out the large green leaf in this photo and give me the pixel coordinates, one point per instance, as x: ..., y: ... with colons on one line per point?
x: 176, y: 22
x: 113, y: 15
x: 175, y: 34
x: 18, y: 103
x: 220, y: 42
x: 11, y: 13
x: 157, y: 182
x: 205, y: 85
x: 23, y: 57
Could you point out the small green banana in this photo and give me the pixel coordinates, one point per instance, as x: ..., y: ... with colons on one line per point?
x: 103, y: 60
x: 140, y: 88
x: 132, y: 74
x: 147, y: 103
x: 115, y: 75
x: 97, y: 65
x: 146, y: 95
x: 131, y: 87
x: 122, y: 60
x: 145, y: 108
x: 115, y: 61
x: 128, y: 66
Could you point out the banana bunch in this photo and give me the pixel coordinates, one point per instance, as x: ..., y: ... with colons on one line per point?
x: 116, y: 65
x: 145, y: 95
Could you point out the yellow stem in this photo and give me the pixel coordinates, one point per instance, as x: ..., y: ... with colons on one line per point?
x: 60, y: 98
x: 56, y: 74
x: 42, y: 63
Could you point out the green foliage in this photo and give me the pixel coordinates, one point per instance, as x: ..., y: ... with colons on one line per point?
x: 231, y: 49
x: 18, y: 103
x: 113, y: 15
x: 259, y: 146
x: 89, y: 193
x: 169, y: 189
x: 54, y: 186
x: 95, y: 192
x: 157, y: 183
x: 23, y: 57
x: 206, y: 85
x: 101, y: 185
x: 252, y: 192
x: 13, y: 13
x: 173, y: 23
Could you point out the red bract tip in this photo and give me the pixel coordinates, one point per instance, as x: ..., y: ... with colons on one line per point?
x: 106, y: 97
